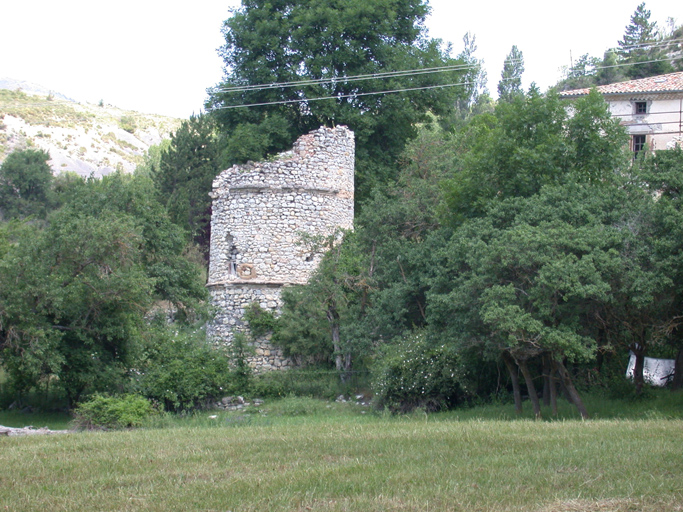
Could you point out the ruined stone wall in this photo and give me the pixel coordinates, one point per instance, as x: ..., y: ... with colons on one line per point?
x: 260, y: 211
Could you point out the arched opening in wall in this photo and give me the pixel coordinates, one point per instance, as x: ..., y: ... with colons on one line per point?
x: 232, y: 254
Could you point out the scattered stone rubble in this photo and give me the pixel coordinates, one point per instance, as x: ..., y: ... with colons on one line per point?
x: 28, y: 431
x: 236, y: 403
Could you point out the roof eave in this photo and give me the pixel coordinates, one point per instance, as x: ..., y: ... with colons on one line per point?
x: 626, y: 93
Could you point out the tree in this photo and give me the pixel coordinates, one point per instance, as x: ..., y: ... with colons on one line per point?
x: 304, y: 51
x: 72, y: 301
x: 185, y: 174
x: 582, y: 74
x: 400, y: 227
x: 610, y: 70
x: 510, y: 84
x: 546, y: 274
x: 532, y: 141
x: 74, y: 294
x: 662, y: 171
x: 474, y: 80
x: 25, y: 180
x: 320, y: 320
x: 165, y: 251
x: 641, y: 48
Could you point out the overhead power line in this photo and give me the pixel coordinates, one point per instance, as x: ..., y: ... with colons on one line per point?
x: 354, y: 95
x: 353, y: 78
x: 342, y: 96
x: 400, y: 73
x: 654, y: 44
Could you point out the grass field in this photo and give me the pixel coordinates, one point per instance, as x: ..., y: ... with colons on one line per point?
x: 306, y: 455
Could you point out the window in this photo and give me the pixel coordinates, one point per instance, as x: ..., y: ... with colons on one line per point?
x: 641, y: 107
x: 232, y: 254
x: 638, y: 144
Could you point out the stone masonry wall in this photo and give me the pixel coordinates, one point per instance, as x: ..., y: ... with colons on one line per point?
x: 260, y: 211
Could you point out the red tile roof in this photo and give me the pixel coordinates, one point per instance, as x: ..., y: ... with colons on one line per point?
x: 672, y: 82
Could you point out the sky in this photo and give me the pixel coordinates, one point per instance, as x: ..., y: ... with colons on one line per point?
x: 159, y: 57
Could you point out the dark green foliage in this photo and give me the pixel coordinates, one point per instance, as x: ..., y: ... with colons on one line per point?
x: 164, y: 246
x: 185, y: 174
x: 238, y: 352
x: 531, y: 141
x: 323, y: 321
x: 261, y: 321
x: 415, y: 373
x: 182, y: 370
x: 663, y: 173
x: 112, y: 412
x: 610, y: 70
x: 640, y: 47
x: 72, y: 300
x: 25, y: 184
x: 302, y: 329
x: 295, y: 41
x: 74, y: 293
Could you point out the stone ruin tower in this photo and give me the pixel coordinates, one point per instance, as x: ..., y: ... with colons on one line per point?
x: 259, y: 212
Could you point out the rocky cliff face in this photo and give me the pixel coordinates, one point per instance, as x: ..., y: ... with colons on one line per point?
x: 81, y: 138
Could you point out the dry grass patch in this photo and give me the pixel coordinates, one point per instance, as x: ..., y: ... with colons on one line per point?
x: 614, y: 505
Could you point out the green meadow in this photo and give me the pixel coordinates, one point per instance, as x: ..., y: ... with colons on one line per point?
x: 302, y: 454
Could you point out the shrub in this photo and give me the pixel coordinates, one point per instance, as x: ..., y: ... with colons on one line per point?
x: 239, y: 352
x: 110, y: 412
x: 261, y: 321
x: 414, y: 373
x: 128, y: 124
x: 183, y: 371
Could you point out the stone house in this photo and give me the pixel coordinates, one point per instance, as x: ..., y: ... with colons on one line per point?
x: 651, y: 109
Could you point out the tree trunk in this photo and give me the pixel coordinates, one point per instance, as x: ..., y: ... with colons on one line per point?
x: 333, y: 318
x: 565, y: 392
x: 552, y: 377
x: 531, y: 389
x: 512, y: 370
x: 677, y: 382
x: 638, y: 378
x: 546, y: 379
x: 566, y: 379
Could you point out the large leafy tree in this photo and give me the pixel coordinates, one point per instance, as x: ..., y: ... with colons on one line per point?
x: 72, y: 300
x: 25, y: 181
x: 74, y: 293
x: 321, y: 320
x: 303, y: 51
x: 663, y: 173
x: 554, y: 274
x: 532, y: 141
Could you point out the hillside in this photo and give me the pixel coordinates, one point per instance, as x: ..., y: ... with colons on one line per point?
x: 82, y: 138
